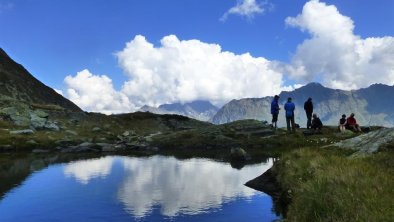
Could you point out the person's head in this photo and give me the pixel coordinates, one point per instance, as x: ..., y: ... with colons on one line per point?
x: 343, y: 116
x: 314, y: 115
x: 352, y: 115
x: 289, y: 99
x: 276, y: 97
x: 309, y: 99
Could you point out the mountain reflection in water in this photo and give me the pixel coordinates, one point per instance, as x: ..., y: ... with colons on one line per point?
x: 142, y: 188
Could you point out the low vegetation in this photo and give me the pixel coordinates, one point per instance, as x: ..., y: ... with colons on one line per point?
x: 327, y: 185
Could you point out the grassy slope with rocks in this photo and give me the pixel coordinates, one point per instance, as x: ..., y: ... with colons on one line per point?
x: 333, y: 184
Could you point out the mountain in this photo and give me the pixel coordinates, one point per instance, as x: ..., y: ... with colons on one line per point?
x: 372, y: 106
x: 199, y: 109
x: 17, y: 84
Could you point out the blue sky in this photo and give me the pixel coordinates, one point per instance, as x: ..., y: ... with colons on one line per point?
x: 70, y: 45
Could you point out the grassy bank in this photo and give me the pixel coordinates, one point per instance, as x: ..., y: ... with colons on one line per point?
x: 326, y: 185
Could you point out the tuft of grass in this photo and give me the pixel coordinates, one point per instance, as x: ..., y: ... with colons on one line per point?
x: 325, y: 185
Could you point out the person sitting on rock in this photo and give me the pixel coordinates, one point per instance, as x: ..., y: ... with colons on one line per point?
x: 316, y: 123
x: 342, y: 123
x: 351, y: 124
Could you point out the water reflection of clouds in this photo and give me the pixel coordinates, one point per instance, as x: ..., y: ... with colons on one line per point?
x: 176, y: 187
x: 85, y: 170
x: 182, y: 187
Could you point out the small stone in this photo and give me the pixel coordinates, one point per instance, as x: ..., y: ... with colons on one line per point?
x: 72, y: 132
x: 96, y: 129
x: 24, y: 132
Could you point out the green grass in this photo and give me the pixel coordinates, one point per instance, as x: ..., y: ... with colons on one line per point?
x: 326, y: 185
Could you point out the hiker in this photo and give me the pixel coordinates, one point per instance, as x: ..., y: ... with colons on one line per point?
x: 342, y: 123
x: 275, y: 110
x: 316, y: 124
x: 351, y: 124
x: 308, y: 107
x: 290, y: 107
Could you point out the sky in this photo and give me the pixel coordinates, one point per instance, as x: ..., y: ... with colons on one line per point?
x: 116, y: 56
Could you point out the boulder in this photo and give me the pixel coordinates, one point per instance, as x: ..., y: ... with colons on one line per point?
x: 19, y: 116
x: 51, y: 126
x: 41, y: 113
x: 238, y: 154
x: 368, y: 142
x: 37, y: 122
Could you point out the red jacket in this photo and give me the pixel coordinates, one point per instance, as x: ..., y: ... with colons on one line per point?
x: 351, y: 121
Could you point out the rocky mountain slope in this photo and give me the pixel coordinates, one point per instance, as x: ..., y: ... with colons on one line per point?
x: 373, y: 105
x: 16, y: 83
x: 200, y: 110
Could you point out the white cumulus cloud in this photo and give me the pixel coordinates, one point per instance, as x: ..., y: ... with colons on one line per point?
x: 245, y: 8
x: 190, y: 69
x: 335, y: 54
x: 96, y: 93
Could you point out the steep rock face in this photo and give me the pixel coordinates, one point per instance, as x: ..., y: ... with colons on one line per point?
x: 373, y: 105
x: 17, y: 84
x: 200, y: 110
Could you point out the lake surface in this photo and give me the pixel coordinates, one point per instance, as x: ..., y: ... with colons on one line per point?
x: 157, y: 188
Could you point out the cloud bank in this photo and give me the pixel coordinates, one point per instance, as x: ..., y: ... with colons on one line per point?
x: 177, y: 70
x: 186, y: 70
x: 335, y: 54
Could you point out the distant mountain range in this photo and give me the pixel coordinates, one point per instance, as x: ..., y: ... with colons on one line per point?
x: 372, y: 106
x: 200, y: 110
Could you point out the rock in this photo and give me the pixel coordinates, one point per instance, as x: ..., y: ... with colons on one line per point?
x: 105, y: 147
x: 128, y: 133
x: 40, y: 151
x: 31, y: 142
x: 51, y: 126
x: 266, y: 183
x: 86, y: 144
x: 25, y: 131
x: 367, y: 143
x: 72, y: 132
x: 96, y: 129
x: 65, y: 142
x: 37, y: 122
x: 41, y: 113
x: 19, y: 116
x: 239, y: 154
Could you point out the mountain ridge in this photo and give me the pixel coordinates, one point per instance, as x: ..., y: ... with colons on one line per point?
x: 329, y: 104
x: 18, y: 84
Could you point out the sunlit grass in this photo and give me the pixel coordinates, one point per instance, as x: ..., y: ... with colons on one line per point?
x: 325, y: 185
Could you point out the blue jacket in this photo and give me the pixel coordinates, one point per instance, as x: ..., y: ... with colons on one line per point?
x: 274, y: 107
x: 289, y: 107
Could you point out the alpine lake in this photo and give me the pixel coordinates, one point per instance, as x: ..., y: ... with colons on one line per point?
x: 131, y: 188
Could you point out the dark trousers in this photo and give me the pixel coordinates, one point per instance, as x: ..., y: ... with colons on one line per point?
x: 290, y: 120
x: 309, y: 120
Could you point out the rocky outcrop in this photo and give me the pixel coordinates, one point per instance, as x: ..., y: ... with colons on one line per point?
x: 22, y: 115
x: 369, y: 142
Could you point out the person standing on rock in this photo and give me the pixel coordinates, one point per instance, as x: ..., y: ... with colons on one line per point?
x: 275, y: 111
x: 308, y: 107
x: 289, y: 108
